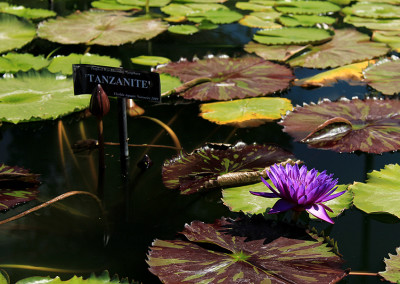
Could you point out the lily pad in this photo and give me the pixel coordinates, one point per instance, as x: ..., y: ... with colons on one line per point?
x: 373, y: 24
x: 175, y: 9
x: 373, y: 10
x: 262, y: 20
x: 384, y: 76
x: 169, y: 83
x: 305, y: 20
x: 296, y: 35
x: 247, y: 112
x: 306, y: 7
x: 100, y: 27
x: 15, y: 33
x: 63, y: 64
x: 392, y: 269
x: 274, y: 52
x: 380, y: 193
x: 223, y: 16
x: 370, y: 125
x: 229, y: 78
x: 113, y: 5
x: 152, y: 3
x: 93, y: 279
x: 150, y: 60
x: 347, y: 46
x: 201, y: 168
x: 256, y: 6
x: 183, y: 29
x: 17, y: 185
x: 233, y: 259
x: 15, y: 62
x: 391, y: 38
x: 26, y: 13
x: 33, y: 96
x: 239, y: 199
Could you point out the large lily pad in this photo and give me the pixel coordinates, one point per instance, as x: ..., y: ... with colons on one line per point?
x: 384, y: 76
x: 17, y: 185
x: 373, y: 24
x: 306, y: 7
x: 113, y: 5
x: 202, y: 168
x: 24, y: 12
x: 229, y: 78
x: 371, y: 125
x: 32, y: 97
x: 380, y: 193
x: 391, y: 38
x: 305, y: 20
x: 373, y: 10
x: 231, y: 259
x: 274, y: 52
x: 392, y: 269
x: 15, y: 62
x: 246, y: 112
x: 347, y: 46
x: 104, y: 278
x: 14, y: 33
x: 288, y: 35
x: 100, y: 27
x: 262, y: 20
x: 193, y: 9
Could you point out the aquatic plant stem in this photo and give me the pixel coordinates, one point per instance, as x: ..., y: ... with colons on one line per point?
x: 102, y: 164
x: 43, y: 268
x: 91, y: 162
x: 144, y: 145
x: 167, y: 128
x: 363, y: 273
x: 186, y: 86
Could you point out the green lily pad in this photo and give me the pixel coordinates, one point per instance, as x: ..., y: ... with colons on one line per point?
x: 15, y: 62
x: 391, y: 38
x: 246, y: 112
x: 63, y: 64
x: 200, y: 169
x: 306, y: 7
x: 27, y: 13
x: 228, y: 78
x: 239, y: 199
x: 256, y: 6
x: 392, y: 269
x: 384, y: 76
x: 169, y: 82
x: 150, y: 60
x: 100, y: 27
x: 373, y: 10
x: 263, y: 20
x: 223, y: 16
x: 113, y: 5
x: 206, y: 25
x: 15, y: 33
x: 152, y: 3
x: 380, y: 193
x: 297, y: 35
x: 175, y: 9
x: 93, y: 279
x: 371, y: 126
x: 373, y: 24
x: 346, y: 47
x: 232, y: 258
x: 305, y: 20
x: 32, y: 97
x: 274, y: 52
x: 183, y: 29
x: 17, y: 185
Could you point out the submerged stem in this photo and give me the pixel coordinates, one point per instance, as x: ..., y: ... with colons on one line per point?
x: 43, y: 268
x: 363, y: 273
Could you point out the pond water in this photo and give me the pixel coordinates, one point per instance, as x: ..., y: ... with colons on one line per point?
x: 71, y: 234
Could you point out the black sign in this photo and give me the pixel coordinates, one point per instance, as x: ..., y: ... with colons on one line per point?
x: 117, y: 82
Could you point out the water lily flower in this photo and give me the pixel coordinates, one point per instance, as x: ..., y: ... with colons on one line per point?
x: 300, y: 189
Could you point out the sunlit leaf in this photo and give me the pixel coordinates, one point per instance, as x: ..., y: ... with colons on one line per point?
x: 373, y: 24
x: 380, y: 193
x: 373, y: 10
x: 15, y: 33
x: 206, y: 25
x: 113, y: 5
x: 289, y: 35
x: 264, y: 20
x: 27, y: 13
x: 246, y: 112
x: 256, y: 6
x: 183, y: 29
x: 305, y: 20
x: 152, y: 3
x: 347, y: 46
x: 201, y: 168
x: 392, y: 269
x: 232, y: 258
x: 17, y: 185
x: 384, y: 76
x: 149, y: 60
x: 371, y: 126
x: 306, y: 7
x: 100, y: 27
x: 350, y: 73
x: 229, y: 78
x: 274, y: 52
x: 223, y: 16
x: 190, y: 9
x: 391, y: 38
x: 32, y: 97
x: 14, y: 62
x: 169, y: 82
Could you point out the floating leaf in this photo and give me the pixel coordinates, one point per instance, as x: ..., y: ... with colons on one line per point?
x: 150, y: 60
x: 246, y: 112
x: 229, y: 78
x: 305, y: 20
x: 256, y: 6
x: 32, y: 97
x: 201, y: 168
x: 14, y: 62
x: 63, y: 64
x: 17, y: 185
x: 380, y: 193
x: 206, y: 25
x: 274, y: 52
x: 371, y: 126
x: 231, y: 259
x: 391, y: 38
x: 264, y: 20
x: 169, y: 82
x: 373, y: 10
x: 113, y: 5
x: 190, y: 9
x: 296, y: 35
x: 15, y: 33
x: 152, y: 3
x: 373, y: 24
x: 223, y: 16
x: 347, y: 46
x: 93, y: 279
x: 306, y: 7
x: 384, y: 76
x: 183, y: 29
x: 350, y: 73
x: 100, y: 27
x: 392, y: 270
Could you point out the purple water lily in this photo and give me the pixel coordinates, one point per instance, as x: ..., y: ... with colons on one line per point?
x: 300, y: 190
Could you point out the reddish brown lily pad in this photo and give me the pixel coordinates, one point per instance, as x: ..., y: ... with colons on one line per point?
x: 201, y: 168
x: 231, y: 259
x: 370, y: 125
x: 17, y: 185
x: 229, y: 78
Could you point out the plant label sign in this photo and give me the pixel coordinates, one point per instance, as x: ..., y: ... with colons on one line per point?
x: 117, y: 82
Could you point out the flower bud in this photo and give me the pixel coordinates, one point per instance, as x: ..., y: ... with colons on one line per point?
x: 99, y: 102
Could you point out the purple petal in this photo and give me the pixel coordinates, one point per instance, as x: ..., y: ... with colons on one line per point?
x: 281, y: 205
x: 319, y: 211
x: 269, y: 186
x: 330, y: 197
x: 265, y: 194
